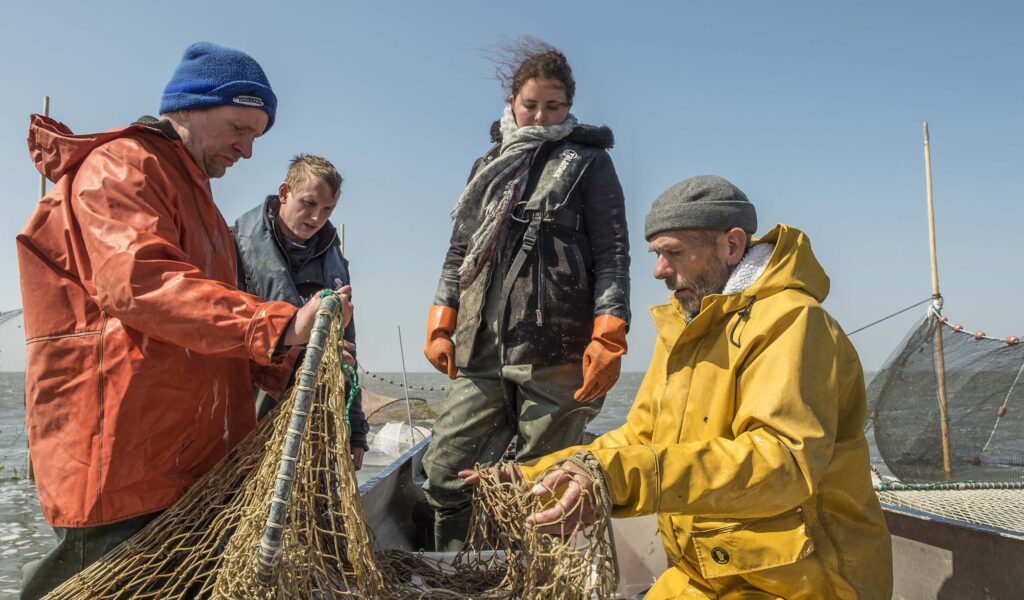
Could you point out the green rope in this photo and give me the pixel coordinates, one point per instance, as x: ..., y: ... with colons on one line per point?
x: 897, y: 486
x: 353, y: 377
x: 353, y: 390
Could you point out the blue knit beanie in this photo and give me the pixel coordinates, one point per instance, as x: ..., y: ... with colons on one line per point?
x: 210, y: 75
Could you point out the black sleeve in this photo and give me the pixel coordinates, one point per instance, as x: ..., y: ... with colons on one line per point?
x: 604, y: 211
x: 448, y: 285
x: 241, y: 282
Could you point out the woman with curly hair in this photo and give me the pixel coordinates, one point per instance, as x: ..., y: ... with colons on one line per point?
x: 534, y: 287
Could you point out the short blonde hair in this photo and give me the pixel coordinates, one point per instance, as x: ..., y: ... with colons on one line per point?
x: 306, y: 166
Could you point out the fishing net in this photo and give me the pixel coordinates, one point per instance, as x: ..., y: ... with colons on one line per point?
x: 281, y: 517
x: 389, y: 397
x: 504, y: 559
x: 983, y: 382
x: 1000, y: 509
x: 985, y: 405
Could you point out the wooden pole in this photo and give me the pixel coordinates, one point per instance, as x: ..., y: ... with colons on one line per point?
x: 42, y: 178
x: 940, y: 361
x: 42, y: 192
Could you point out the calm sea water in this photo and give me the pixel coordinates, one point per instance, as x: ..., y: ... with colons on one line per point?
x: 25, y: 536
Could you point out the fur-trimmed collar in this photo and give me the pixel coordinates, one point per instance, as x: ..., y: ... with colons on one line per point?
x: 588, y: 135
x: 750, y: 267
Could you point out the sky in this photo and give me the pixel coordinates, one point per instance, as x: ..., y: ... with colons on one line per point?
x: 814, y: 109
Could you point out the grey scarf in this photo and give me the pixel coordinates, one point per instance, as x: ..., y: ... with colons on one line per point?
x: 489, y: 198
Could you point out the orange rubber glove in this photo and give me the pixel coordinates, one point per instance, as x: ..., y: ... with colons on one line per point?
x: 603, y: 358
x: 439, y: 349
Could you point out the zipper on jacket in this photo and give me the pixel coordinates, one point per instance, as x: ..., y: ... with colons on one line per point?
x: 742, y: 316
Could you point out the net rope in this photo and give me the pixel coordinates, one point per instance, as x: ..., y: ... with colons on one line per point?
x: 277, y: 519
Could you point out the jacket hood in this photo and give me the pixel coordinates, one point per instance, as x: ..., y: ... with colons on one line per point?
x: 791, y: 266
x: 587, y: 135
x: 55, y: 150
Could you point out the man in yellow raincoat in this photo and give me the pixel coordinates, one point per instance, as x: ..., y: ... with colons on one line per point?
x: 746, y: 436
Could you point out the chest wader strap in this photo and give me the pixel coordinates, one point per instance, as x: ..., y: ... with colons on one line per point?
x: 529, y: 241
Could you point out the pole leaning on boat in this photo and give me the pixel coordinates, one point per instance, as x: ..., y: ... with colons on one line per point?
x: 270, y: 544
x: 405, y: 386
x: 940, y: 361
x: 42, y: 178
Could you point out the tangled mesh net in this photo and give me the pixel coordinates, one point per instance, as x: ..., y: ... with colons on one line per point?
x: 281, y: 517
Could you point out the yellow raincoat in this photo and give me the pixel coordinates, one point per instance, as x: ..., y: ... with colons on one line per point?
x: 746, y: 438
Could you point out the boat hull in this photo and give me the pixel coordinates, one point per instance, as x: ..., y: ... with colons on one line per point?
x: 935, y: 557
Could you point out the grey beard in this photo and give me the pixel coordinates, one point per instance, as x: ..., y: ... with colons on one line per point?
x: 737, y: 278
x: 713, y: 282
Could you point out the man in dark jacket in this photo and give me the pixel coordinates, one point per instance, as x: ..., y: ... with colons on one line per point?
x: 288, y: 250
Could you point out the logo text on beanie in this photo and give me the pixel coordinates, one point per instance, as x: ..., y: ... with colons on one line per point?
x: 248, y: 100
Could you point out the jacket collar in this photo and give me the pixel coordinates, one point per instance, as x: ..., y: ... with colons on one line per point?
x: 162, y: 126
x: 587, y: 135
x: 750, y: 268
x: 790, y: 264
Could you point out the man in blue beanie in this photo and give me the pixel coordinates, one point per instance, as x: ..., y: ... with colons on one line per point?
x: 142, y: 353
x: 210, y: 75
x: 217, y: 102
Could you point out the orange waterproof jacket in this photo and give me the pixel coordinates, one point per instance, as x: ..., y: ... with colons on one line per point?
x: 139, y: 346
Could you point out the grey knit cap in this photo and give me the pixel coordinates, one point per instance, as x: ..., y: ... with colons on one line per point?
x: 704, y: 202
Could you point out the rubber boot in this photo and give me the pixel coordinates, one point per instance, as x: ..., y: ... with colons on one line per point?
x: 76, y: 549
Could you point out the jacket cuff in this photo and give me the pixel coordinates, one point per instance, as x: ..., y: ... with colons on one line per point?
x: 447, y: 293
x: 633, y: 475
x: 276, y: 378
x: 266, y: 328
x: 533, y: 469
